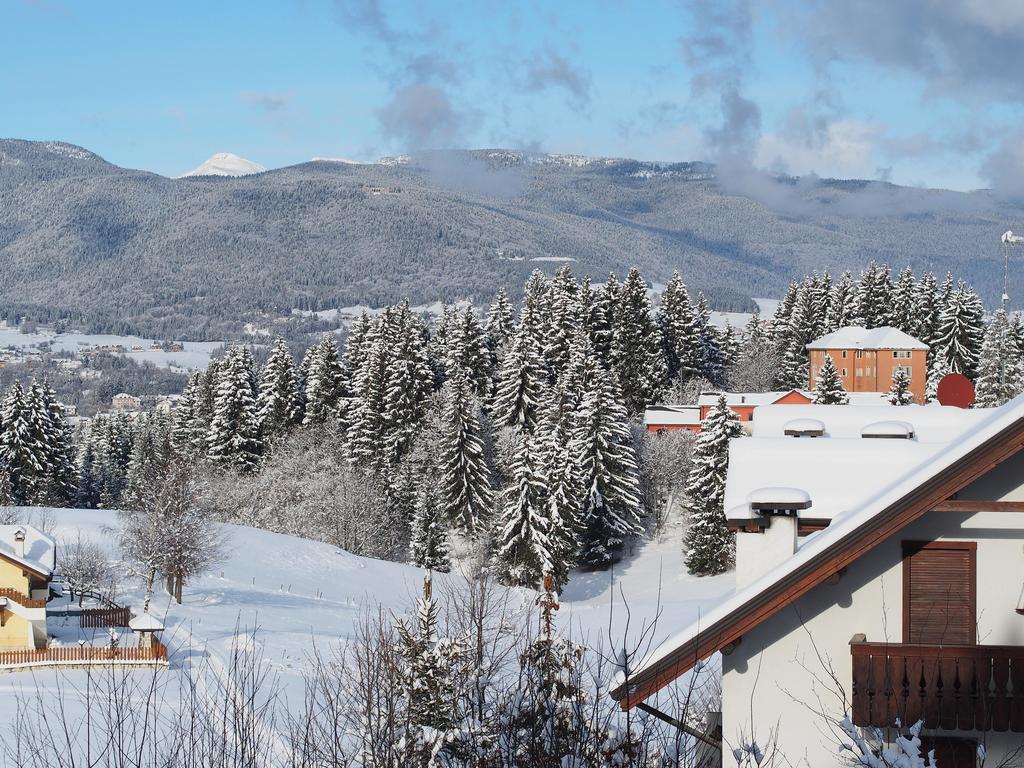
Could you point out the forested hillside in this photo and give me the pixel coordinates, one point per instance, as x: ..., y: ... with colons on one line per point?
x: 128, y: 251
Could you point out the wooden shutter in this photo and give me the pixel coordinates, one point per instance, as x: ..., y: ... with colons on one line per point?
x: 939, y: 593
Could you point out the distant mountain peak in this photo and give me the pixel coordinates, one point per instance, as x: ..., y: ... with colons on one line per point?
x: 225, y: 164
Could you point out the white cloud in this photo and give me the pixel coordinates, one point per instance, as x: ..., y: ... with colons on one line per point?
x: 843, y: 148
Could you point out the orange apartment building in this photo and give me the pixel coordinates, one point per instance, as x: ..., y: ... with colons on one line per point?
x: 866, y: 358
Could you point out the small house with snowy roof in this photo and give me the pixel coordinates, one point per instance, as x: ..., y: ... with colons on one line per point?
x: 879, y: 582
x: 27, y: 561
x: 867, y: 358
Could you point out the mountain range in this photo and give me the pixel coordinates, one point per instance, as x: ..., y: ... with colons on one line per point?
x: 124, y: 250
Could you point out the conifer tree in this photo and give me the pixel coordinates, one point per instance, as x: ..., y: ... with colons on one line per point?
x: 562, y: 480
x: 520, y: 384
x: 234, y: 439
x: 523, y: 544
x: 961, y: 332
x: 602, y: 450
x: 429, y: 537
x: 899, y: 392
x: 278, y: 406
x: 21, y: 455
x: 62, y: 474
x: 564, y: 318
x: 367, y: 437
x: 842, y: 305
x: 792, y: 340
x: 1000, y: 375
x: 408, y: 379
x: 637, y: 356
x: 709, y: 350
x: 325, y: 383
x: 829, y: 388
x: 467, y: 347
x: 874, y: 296
x: 928, y: 309
x: 466, y: 484
x: 183, y: 429
x: 500, y: 323
x: 708, y: 543
x: 906, y: 314
x: 680, y: 334
x: 428, y: 664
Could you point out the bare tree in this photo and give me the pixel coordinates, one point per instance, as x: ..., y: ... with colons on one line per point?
x: 85, y: 568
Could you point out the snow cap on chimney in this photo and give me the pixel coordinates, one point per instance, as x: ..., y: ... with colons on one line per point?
x: 19, y: 542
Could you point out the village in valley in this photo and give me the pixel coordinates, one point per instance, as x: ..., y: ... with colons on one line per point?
x: 531, y: 385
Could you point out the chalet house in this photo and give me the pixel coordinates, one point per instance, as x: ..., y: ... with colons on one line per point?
x: 744, y: 403
x: 27, y: 561
x: 880, y: 575
x: 866, y: 358
x: 662, y: 418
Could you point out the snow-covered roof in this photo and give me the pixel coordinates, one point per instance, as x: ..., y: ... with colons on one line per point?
x: 873, y: 504
x: 40, y: 549
x: 734, y: 399
x: 856, y: 337
x: 671, y: 415
x: 145, y: 622
x: 841, y: 468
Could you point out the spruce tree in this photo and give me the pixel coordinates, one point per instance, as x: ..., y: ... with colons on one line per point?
x: 636, y: 355
x: 680, y: 333
x: 278, y: 406
x: 999, y: 371
x: 829, y: 388
x: 602, y: 450
x: 564, y: 317
x: 899, y: 392
x: 842, y: 305
x: 961, y: 332
x: 874, y: 296
x: 234, y: 439
x: 791, y: 342
x: 708, y: 543
x: 906, y: 314
x: 428, y: 546
x: 183, y: 429
x: 520, y: 384
x: 367, y: 436
x: 62, y: 474
x: 465, y: 476
x: 466, y: 347
x: 523, y: 543
x: 500, y: 323
x: 325, y: 383
x: 21, y: 455
x: 711, y: 357
x: 562, y: 479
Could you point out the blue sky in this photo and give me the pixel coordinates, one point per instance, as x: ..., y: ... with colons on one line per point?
x: 923, y: 92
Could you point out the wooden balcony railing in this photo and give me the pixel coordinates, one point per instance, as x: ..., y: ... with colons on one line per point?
x: 20, y: 598
x: 970, y: 688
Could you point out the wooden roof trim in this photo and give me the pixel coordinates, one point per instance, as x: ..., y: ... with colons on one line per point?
x: 936, y: 489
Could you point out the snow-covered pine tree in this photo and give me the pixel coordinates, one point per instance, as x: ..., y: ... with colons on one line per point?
x: 183, y: 437
x: 409, y: 380
x: 355, y: 349
x: 709, y: 350
x: 961, y: 332
x: 465, y: 477
x: 62, y: 475
x: 21, y: 456
x: 594, y: 320
x: 602, y: 450
x: 87, y: 495
x: 562, y: 321
x: 562, y: 499
x: 792, y: 341
x: 500, y: 324
x: 234, y: 439
x: 325, y: 383
x: 520, y: 383
x: 428, y: 669
x: 368, y: 425
x: 466, y: 347
x: 829, y: 388
x: 637, y: 355
x: 820, y: 296
x: 729, y: 344
x: 680, y: 334
x: 1000, y: 374
x: 906, y: 314
x: 522, y: 539
x: 842, y: 305
x: 874, y: 296
x: 609, y: 299
x: 899, y: 392
x: 428, y: 547
x: 778, y: 326
x: 928, y: 308
x: 278, y: 406
x: 708, y: 543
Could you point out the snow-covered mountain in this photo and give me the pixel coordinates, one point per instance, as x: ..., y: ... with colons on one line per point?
x: 225, y: 164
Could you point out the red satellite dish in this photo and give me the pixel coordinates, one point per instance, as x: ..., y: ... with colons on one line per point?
x: 956, y: 389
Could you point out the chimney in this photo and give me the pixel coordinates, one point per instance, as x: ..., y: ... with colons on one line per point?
x: 19, y: 542
x: 773, y: 540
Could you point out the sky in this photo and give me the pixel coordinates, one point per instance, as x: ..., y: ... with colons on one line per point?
x: 917, y: 92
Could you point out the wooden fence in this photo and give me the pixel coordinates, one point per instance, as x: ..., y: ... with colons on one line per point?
x: 104, y: 617
x: 75, y: 655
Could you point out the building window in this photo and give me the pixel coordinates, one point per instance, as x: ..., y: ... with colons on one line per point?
x: 860, y: 353
x: 860, y: 371
x: 844, y: 370
x: 906, y: 369
x: 844, y: 354
x: 901, y: 354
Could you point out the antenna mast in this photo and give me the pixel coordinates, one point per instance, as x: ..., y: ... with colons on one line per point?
x: 1009, y: 240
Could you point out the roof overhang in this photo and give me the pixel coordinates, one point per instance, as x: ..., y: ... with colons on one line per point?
x: 762, y: 605
x: 26, y: 565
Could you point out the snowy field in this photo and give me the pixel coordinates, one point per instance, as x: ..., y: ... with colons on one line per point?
x: 196, y: 354
x: 297, y: 594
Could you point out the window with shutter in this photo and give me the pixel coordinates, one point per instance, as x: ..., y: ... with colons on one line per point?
x: 939, y: 592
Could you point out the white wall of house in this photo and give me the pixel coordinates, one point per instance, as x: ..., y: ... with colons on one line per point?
x: 779, y: 677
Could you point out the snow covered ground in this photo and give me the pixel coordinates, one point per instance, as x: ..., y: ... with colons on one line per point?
x: 196, y: 354
x: 297, y: 593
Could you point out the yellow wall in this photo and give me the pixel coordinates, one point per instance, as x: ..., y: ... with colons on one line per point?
x: 14, y: 634
x: 13, y: 577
